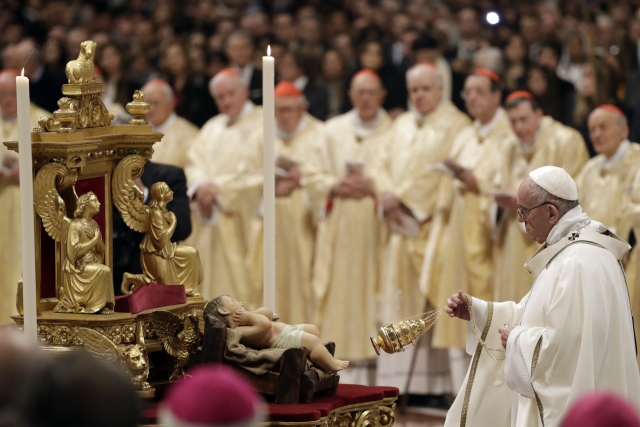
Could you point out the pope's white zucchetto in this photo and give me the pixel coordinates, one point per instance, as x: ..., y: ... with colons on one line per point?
x: 556, y: 181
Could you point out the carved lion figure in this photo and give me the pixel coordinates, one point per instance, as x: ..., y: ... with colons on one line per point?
x: 133, y: 357
x: 135, y: 361
x: 81, y: 70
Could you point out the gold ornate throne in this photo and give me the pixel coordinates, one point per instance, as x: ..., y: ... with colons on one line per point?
x: 86, y: 148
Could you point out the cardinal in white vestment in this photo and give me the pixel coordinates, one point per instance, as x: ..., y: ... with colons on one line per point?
x: 571, y: 334
x: 178, y: 132
x: 221, y: 185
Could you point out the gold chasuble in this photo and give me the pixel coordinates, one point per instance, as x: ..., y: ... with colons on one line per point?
x: 179, y: 134
x: 220, y: 154
x: 555, y: 145
x: 409, y: 151
x: 295, y: 224
x: 459, y: 251
x: 604, y: 186
x: 10, y: 237
x: 345, y: 276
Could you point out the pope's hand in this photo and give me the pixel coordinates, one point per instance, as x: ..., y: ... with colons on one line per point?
x: 392, y: 207
x: 504, y: 334
x: 457, y: 306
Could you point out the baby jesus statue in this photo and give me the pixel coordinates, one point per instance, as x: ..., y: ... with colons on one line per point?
x: 260, y: 332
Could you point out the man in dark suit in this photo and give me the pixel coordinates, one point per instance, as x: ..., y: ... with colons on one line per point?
x: 239, y: 50
x: 292, y: 67
x: 126, y: 242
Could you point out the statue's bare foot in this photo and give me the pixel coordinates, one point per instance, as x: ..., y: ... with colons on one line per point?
x: 106, y: 311
x: 193, y: 294
x: 339, y: 365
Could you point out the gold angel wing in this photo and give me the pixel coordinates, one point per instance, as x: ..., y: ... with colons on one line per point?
x: 167, y: 325
x: 48, y: 202
x: 127, y: 196
x: 99, y: 345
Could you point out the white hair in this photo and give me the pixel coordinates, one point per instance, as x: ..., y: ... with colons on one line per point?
x: 221, y: 76
x: 416, y: 69
x: 489, y: 57
x: 541, y: 195
x: 167, y: 91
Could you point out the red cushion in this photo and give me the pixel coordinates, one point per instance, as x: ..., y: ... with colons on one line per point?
x: 348, y: 394
x: 388, y: 391
x: 151, y: 296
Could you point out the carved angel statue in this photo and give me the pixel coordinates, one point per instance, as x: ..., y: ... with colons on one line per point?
x: 163, y: 261
x: 133, y: 357
x: 179, y: 335
x: 87, y: 285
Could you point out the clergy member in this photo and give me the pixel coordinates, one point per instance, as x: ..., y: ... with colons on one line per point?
x: 347, y: 252
x: 606, y: 182
x: 10, y: 238
x: 540, y: 141
x: 178, y: 132
x: 571, y: 335
x: 459, y: 250
x: 419, y: 139
x: 217, y: 179
x: 299, y: 138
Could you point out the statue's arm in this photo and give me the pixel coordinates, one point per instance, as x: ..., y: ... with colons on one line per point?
x: 75, y: 248
x: 159, y: 231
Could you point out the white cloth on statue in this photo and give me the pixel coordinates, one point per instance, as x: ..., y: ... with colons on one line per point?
x: 574, y: 334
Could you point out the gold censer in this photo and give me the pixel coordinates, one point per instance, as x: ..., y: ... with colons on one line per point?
x: 395, y: 337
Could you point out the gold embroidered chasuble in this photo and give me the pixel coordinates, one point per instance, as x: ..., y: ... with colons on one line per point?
x: 459, y: 253
x: 345, y: 276
x: 220, y: 154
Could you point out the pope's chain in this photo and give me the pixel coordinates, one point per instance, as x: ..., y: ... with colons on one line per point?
x: 494, y: 353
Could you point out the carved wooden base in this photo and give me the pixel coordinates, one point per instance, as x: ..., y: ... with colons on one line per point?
x: 381, y: 413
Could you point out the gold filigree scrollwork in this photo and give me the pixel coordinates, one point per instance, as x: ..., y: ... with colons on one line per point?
x: 368, y: 418
x: 66, y: 335
x: 339, y: 420
x: 387, y: 415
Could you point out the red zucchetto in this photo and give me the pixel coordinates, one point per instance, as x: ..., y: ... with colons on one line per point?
x: 286, y: 89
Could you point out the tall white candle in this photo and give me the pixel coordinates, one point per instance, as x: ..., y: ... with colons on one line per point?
x: 269, y: 189
x: 26, y: 207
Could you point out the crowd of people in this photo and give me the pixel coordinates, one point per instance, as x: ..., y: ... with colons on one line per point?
x: 403, y: 130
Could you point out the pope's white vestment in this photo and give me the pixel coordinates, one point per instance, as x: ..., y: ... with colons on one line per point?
x: 574, y: 334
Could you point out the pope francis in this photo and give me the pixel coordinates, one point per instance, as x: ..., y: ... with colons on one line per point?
x: 570, y: 335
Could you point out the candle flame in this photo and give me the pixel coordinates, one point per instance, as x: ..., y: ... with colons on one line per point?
x: 22, y: 72
x: 268, y: 51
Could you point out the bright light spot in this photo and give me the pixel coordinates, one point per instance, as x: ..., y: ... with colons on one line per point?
x: 269, y: 50
x: 493, y: 18
x: 614, y: 50
x: 22, y: 72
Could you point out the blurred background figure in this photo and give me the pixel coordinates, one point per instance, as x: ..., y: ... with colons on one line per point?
x: 212, y: 396
x: 192, y: 99
x: 239, y: 49
x: 292, y: 68
x: 178, y: 132
x: 19, y: 358
x: 72, y: 391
